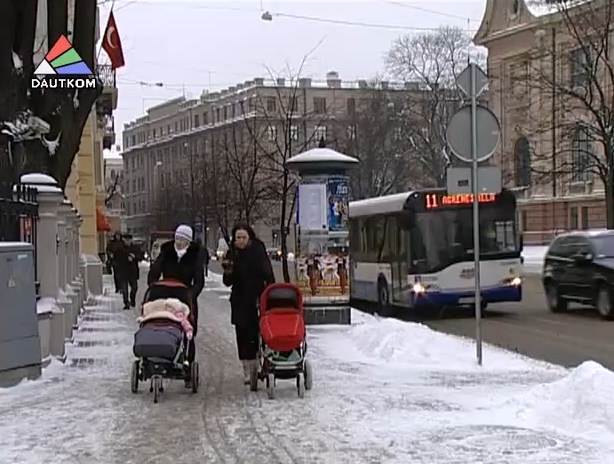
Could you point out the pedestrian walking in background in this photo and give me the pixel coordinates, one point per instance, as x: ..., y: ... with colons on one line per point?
x: 180, y: 259
x: 116, y: 241
x: 248, y: 270
x: 128, y: 256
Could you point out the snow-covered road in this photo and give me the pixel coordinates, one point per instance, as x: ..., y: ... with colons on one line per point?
x: 385, y: 391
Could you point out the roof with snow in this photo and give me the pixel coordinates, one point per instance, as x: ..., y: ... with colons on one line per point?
x: 321, y: 157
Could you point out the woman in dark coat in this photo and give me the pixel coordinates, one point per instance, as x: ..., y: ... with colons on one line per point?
x: 180, y: 259
x: 248, y: 270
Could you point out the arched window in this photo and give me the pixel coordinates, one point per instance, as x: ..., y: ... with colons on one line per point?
x: 522, y: 157
x: 580, y: 155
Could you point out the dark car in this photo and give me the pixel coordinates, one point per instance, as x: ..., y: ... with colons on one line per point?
x: 579, y: 268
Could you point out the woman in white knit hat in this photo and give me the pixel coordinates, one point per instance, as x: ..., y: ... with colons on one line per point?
x: 179, y: 259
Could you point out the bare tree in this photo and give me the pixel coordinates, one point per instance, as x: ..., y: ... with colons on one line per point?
x: 429, y: 62
x: 112, y: 189
x: 574, y: 113
x: 374, y: 136
x: 243, y: 166
x: 65, y: 110
x: 283, y: 125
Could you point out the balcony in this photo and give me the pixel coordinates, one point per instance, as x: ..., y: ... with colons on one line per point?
x: 108, y: 128
x: 107, y: 102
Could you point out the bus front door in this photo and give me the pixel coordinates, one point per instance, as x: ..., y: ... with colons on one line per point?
x: 400, y: 266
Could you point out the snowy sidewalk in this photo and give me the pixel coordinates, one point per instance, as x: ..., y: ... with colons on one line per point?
x: 67, y: 415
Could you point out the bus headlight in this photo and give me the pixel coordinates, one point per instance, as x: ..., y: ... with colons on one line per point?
x: 418, y: 288
x: 513, y: 281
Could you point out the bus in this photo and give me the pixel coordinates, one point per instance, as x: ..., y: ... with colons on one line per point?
x: 415, y: 250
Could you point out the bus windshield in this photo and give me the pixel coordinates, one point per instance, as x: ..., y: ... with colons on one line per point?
x: 444, y: 237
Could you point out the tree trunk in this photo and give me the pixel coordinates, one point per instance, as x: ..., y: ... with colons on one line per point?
x: 284, y: 230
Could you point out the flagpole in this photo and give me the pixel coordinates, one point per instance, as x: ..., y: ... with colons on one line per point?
x: 105, y: 30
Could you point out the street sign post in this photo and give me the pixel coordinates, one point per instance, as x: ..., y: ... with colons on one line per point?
x: 473, y: 135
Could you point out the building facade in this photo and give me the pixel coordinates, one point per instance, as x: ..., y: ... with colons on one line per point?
x: 532, y: 61
x: 180, y: 139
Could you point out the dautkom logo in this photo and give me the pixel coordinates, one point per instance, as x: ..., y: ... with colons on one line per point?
x: 63, y: 68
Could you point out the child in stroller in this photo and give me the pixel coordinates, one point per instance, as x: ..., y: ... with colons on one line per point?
x: 160, y: 344
x: 283, y: 339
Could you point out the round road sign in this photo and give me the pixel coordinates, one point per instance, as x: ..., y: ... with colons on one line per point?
x: 458, y: 133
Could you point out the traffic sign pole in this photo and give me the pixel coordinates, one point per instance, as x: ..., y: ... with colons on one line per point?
x: 476, y: 213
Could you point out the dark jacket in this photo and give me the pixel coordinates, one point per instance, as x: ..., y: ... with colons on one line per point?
x: 127, y: 258
x: 112, y: 247
x: 189, y: 269
x: 248, y: 275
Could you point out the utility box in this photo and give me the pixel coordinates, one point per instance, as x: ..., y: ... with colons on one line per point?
x: 20, y: 349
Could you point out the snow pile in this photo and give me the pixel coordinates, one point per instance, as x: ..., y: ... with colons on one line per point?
x: 577, y: 403
x: 47, y: 305
x: 416, y: 346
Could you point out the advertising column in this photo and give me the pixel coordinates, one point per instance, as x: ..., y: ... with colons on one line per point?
x: 322, y: 259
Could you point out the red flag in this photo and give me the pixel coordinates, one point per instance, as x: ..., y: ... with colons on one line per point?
x: 112, y: 44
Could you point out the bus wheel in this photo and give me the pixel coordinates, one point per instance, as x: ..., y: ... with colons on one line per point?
x: 383, y: 299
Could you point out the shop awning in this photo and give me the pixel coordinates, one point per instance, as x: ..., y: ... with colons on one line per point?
x: 102, y: 223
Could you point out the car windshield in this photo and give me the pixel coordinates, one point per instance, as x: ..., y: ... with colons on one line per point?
x: 604, y: 246
x: 442, y: 238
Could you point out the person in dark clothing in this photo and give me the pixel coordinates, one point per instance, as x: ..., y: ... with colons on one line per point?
x: 204, y: 255
x: 128, y: 256
x: 248, y: 270
x: 180, y: 259
x: 116, y: 241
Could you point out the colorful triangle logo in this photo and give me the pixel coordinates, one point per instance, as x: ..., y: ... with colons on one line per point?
x: 62, y: 59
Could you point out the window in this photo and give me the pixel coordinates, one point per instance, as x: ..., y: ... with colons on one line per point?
x: 319, y: 134
x: 272, y: 133
x: 225, y: 113
x: 294, y: 133
x: 319, y: 105
x: 573, y: 218
x: 351, y: 132
x: 218, y: 115
x: 154, y: 134
x: 580, y: 155
x: 520, y: 79
x: 522, y: 157
x: 293, y: 105
x: 205, y: 118
x: 580, y: 67
x: 271, y: 104
x: 584, y: 217
x: 398, y: 133
x: 196, y: 120
x: 351, y: 106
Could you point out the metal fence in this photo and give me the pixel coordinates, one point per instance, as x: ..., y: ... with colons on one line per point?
x: 19, y: 217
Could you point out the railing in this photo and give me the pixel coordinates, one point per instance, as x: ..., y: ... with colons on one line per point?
x: 106, y: 75
x: 19, y: 216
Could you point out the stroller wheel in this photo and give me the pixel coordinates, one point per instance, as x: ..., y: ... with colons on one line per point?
x: 157, y: 389
x: 270, y: 386
x: 300, y: 385
x: 308, y: 374
x: 134, y: 376
x: 194, y: 376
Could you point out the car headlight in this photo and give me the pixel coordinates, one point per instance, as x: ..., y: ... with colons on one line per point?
x: 513, y: 281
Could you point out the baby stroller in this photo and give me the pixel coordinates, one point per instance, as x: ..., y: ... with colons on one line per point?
x: 283, y: 339
x: 160, y: 344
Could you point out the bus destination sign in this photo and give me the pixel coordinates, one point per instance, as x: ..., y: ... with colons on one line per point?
x: 442, y: 200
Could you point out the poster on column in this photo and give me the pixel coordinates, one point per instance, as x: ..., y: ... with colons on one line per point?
x: 337, y: 204
x: 312, y: 207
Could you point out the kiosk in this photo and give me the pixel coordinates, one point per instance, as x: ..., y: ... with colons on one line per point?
x: 322, y: 235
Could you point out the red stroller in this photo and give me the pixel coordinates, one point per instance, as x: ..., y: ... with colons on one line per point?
x: 282, y: 334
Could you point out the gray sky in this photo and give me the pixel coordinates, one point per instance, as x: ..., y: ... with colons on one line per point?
x: 189, y: 46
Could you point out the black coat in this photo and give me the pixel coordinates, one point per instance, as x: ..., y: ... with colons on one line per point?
x: 248, y: 275
x: 189, y: 269
x: 127, y: 258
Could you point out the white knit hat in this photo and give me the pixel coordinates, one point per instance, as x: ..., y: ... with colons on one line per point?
x: 184, y: 232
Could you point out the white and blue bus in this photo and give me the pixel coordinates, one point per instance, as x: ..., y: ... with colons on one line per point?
x: 415, y: 249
